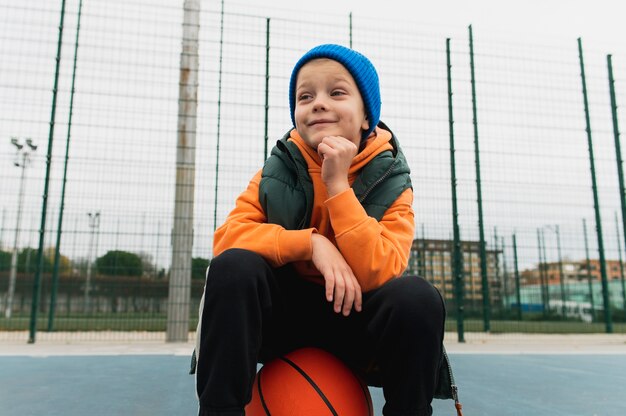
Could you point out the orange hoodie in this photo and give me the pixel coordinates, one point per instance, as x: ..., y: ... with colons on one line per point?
x: 375, y: 250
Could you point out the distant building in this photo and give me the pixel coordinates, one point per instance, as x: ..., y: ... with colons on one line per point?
x: 573, y: 272
x: 432, y: 259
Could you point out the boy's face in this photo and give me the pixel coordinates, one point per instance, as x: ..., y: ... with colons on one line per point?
x: 328, y: 103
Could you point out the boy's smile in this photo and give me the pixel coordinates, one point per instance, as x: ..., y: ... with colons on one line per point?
x: 328, y: 103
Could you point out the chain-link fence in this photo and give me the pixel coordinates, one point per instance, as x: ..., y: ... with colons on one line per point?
x: 536, y: 197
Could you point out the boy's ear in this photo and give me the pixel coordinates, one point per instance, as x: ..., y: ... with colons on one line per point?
x: 366, y: 124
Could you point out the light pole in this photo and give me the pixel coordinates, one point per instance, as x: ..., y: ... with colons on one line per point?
x: 22, y: 159
x: 556, y: 230
x: 94, y: 223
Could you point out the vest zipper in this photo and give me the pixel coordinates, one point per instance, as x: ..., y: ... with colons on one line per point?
x: 379, y: 180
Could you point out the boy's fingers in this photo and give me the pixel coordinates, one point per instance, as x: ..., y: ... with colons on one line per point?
x: 348, y: 300
x: 330, y: 288
x: 340, y: 292
x: 358, y: 301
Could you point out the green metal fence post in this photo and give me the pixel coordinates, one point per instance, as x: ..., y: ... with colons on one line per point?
x: 57, y: 248
x: 505, y: 276
x: 621, y: 263
x: 561, y: 274
x: 267, y: 84
x: 44, y: 206
x: 219, y: 119
x: 546, y: 276
x: 442, y: 266
x: 457, y: 256
x: 350, y: 30
x: 596, y: 203
x: 588, y: 265
x: 481, y: 229
x: 620, y: 166
x: 518, y: 294
x: 422, y: 255
x: 496, y: 265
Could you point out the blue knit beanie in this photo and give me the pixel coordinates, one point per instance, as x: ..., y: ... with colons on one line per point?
x: 358, y: 66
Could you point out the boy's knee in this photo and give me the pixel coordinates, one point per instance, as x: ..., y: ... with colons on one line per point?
x: 417, y: 303
x: 235, y: 268
x: 236, y: 258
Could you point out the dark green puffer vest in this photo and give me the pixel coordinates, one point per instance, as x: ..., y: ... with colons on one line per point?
x: 286, y: 189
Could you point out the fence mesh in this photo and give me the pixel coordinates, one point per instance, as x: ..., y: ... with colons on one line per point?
x: 520, y: 137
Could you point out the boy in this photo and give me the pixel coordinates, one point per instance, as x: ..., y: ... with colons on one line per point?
x: 313, y: 252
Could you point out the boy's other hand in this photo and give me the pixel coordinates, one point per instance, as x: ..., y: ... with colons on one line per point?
x: 336, y: 153
x: 342, y: 288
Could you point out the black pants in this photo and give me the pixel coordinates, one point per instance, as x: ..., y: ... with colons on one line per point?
x: 253, y: 313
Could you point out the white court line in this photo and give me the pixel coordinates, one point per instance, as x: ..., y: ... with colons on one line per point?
x: 60, y: 344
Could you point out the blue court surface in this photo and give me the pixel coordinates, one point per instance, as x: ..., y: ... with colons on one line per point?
x: 158, y: 385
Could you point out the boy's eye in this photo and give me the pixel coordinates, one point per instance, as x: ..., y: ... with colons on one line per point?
x: 304, y: 96
x: 336, y: 93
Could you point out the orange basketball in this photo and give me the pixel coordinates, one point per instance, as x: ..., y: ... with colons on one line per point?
x: 308, y: 382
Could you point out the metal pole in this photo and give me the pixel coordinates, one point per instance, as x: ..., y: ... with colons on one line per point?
x: 182, y: 234
x: 350, y: 30
x: 560, y: 266
x: 42, y: 229
x: 94, y: 222
x: 621, y: 263
x: 156, y: 251
x: 589, y: 276
x: 497, y: 263
x: 57, y: 249
x: 457, y: 256
x: 620, y: 166
x: 505, y: 275
x: 267, y: 84
x: 219, y: 116
x: 431, y: 266
x: 20, y: 202
x: 421, y: 265
x: 561, y: 276
x: 467, y: 270
x: 518, y: 294
x: 546, y: 275
x: 541, y: 273
x: 479, y: 200
x: 596, y: 204
x: 4, y: 214
x: 442, y: 267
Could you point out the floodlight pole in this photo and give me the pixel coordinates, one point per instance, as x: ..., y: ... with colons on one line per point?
x: 23, y: 150
x: 94, y: 223
x: 557, y: 232
x: 179, y: 292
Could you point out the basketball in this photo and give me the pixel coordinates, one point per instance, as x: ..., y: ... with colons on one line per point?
x: 308, y: 382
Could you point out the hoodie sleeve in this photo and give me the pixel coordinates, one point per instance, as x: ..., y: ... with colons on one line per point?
x: 377, y: 251
x: 246, y: 227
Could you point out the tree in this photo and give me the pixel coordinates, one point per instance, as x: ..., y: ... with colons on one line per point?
x: 27, y: 261
x: 198, y: 267
x: 5, y: 261
x: 147, y: 263
x: 119, y: 263
x: 65, y: 264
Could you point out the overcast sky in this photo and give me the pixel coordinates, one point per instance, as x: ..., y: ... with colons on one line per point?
x: 599, y: 20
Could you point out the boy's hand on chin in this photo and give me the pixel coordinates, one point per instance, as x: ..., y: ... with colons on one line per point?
x: 336, y: 153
